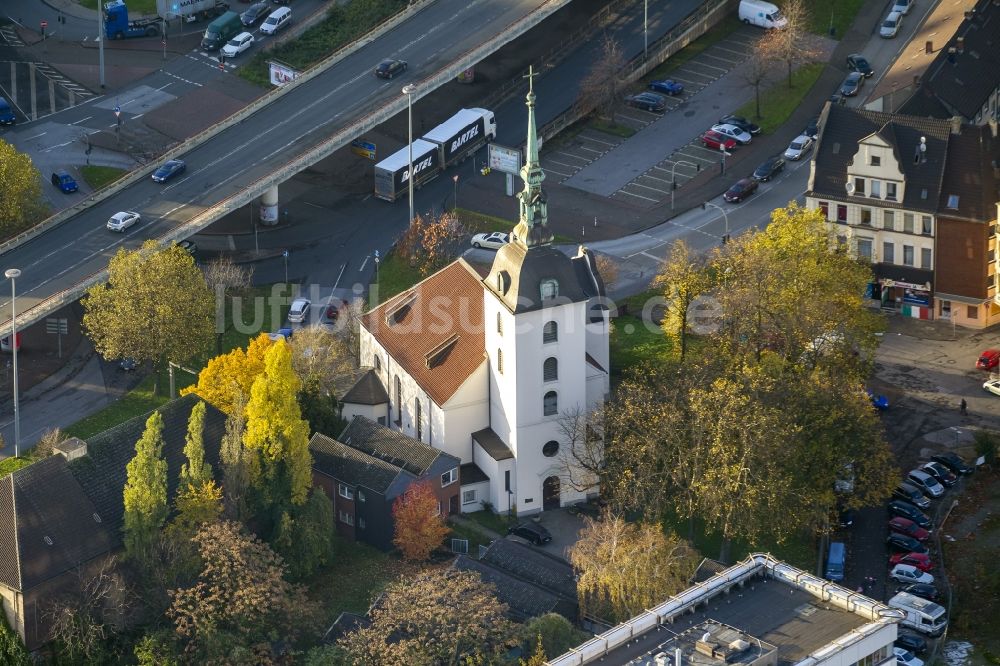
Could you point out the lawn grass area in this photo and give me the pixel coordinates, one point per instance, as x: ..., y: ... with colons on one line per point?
x: 395, y: 275
x: 476, y: 538
x: 357, y: 574
x: 343, y: 25
x: 799, y: 551
x: 262, y: 309
x: 633, y: 343
x: 141, y: 399
x: 780, y: 101
x: 136, y: 8
x: 12, y: 464
x: 842, y: 13
x: 614, y: 129
x: 101, y: 176
x: 490, y: 520
x: 716, y: 34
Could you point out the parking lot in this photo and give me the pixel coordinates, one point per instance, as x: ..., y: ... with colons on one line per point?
x: 666, y: 147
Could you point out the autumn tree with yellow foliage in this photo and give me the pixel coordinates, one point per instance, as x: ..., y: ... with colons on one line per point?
x: 227, y: 379
x: 154, y: 307
x: 20, y: 191
x: 276, y: 436
x: 624, y: 568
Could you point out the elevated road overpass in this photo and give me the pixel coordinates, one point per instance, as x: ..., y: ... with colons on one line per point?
x: 291, y: 130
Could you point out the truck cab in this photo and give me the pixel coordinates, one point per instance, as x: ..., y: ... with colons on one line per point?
x: 221, y: 30
x: 118, y: 26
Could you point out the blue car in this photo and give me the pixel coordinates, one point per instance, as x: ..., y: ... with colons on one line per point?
x: 668, y: 86
x: 168, y: 171
x: 6, y: 113
x: 879, y: 402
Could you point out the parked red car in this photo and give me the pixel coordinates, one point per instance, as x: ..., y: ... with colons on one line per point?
x: 713, y: 140
x: 908, y: 528
x: 989, y: 359
x: 921, y: 561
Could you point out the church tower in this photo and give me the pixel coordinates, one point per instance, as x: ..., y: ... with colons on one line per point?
x: 547, y: 342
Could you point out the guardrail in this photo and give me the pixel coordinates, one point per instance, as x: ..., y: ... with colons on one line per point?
x: 193, y: 142
x: 311, y: 156
x: 695, y: 25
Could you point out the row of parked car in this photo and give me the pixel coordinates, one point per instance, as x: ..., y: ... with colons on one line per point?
x: 910, y: 528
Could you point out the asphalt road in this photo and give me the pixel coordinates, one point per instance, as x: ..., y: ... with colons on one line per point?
x: 251, y: 150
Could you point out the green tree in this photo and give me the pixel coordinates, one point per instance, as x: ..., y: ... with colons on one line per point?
x: 623, y: 568
x: 12, y: 650
x: 195, y: 506
x: 556, y: 634
x: 20, y: 191
x: 145, y: 491
x: 537, y: 658
x: 154, y: 307
x: 195, y: 471
x: 320, y: 409
x: 683, y: 278
x: 437, y: 617
x: 157, y: 648
x: 277, y: 434
x: 305, y: 537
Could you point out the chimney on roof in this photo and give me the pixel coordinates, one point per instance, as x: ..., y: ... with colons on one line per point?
x: 928, y: 47
x: 960, y: 44
x: 71, y: 449
x: 956, y: 125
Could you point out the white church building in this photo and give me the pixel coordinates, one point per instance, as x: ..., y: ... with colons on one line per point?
x: 487, y: 366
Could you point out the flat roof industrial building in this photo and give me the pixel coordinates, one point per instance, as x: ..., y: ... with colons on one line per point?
x: 759, y: 612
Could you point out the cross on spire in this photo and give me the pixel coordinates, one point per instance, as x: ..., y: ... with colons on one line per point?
x: 532, y: 228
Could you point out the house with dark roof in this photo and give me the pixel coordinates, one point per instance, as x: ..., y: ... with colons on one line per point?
x: 368, y: 467
x: 62, y: 516
x: 886, y: 183
x: 964, y: 79
x: 367, y: 397
x: 530, y: 581
x: 486, y: 368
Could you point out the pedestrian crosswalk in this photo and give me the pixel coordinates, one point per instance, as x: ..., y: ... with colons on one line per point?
x: 9, y: 35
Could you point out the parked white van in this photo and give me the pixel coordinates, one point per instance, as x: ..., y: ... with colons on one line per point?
x: 925, y: 616
x: 278, y: 19
x: 760, y: 13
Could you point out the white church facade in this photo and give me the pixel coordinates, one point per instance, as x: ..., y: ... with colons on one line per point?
x: 487, y: 366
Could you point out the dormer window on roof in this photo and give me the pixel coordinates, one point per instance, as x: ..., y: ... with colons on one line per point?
x: 953, y: 201
x: 549, y: 289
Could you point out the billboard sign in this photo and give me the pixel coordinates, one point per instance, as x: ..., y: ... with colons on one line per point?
x: 507, y: 160
x: 281, y: 74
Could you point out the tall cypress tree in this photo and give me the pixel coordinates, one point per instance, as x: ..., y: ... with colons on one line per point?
x: 146, y: 490
x: 195, y: 472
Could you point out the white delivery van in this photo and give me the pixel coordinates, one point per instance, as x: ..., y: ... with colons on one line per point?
x: 763, y: 14
x: 925, y: 616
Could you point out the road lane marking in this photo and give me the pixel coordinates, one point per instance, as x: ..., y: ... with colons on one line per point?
x: 81, y: 120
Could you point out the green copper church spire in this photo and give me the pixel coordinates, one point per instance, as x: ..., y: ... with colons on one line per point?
x: 532, y: 228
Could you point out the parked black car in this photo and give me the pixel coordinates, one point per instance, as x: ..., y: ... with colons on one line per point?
x: 922, y: 590
x: 255, y: 13
x: 812, y: 129
x: 910, y: 493
x: 852, y: 84
x: 900, y: 543
x: 847, y: 517
x: 769, y: 169
x: 740, y: 190
x: 740, y: 122
x: 952, y: 462
x: 912, y: 642
x: 942, y: 474
x: 907, y: 510
x: 533, y: 532
x: 858, y: 63
x: 648, y: 101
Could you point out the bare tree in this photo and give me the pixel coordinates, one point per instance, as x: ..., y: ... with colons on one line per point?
x: 320, y: 355
x: 581, y: 454
x: 97, y: 607
x: 607, y: 268
x: 601, y: 87
x: 758, y: 64
x: 791, y: 44
x: 50, y: 438
x: 222, y: 275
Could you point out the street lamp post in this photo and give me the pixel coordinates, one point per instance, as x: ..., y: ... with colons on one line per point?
x: 645, y: 30
x: 455, y: 178
x: 12, y: 274
x: 725, y: 238
x: 408, y: 91
x: 673, y: 178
